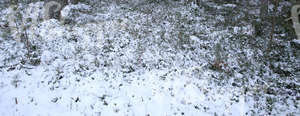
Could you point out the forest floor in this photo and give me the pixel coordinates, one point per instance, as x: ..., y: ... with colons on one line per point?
x: 143, y: 60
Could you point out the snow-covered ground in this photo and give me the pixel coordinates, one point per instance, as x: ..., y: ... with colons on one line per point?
x: 107, y: 92
x: 148, y: 60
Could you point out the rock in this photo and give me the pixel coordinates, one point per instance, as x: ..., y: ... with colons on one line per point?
x: 54, y: 7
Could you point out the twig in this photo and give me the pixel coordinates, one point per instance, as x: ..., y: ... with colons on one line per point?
x: 16, y: 100
x: 273, y: 28
x: 14, y: 65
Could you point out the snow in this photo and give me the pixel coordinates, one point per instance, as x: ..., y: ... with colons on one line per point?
x: 297, y: 41
x: 150, y: 96
x: 229, y: 5
x: 122, y: 64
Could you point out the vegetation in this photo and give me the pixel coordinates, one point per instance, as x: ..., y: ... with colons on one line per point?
x: 247, y: 46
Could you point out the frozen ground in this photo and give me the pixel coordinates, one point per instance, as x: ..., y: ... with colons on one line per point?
x: 148, y: 60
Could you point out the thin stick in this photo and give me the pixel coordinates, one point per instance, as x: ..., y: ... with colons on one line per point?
x: 16, y: 100
x: 273, y: 27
